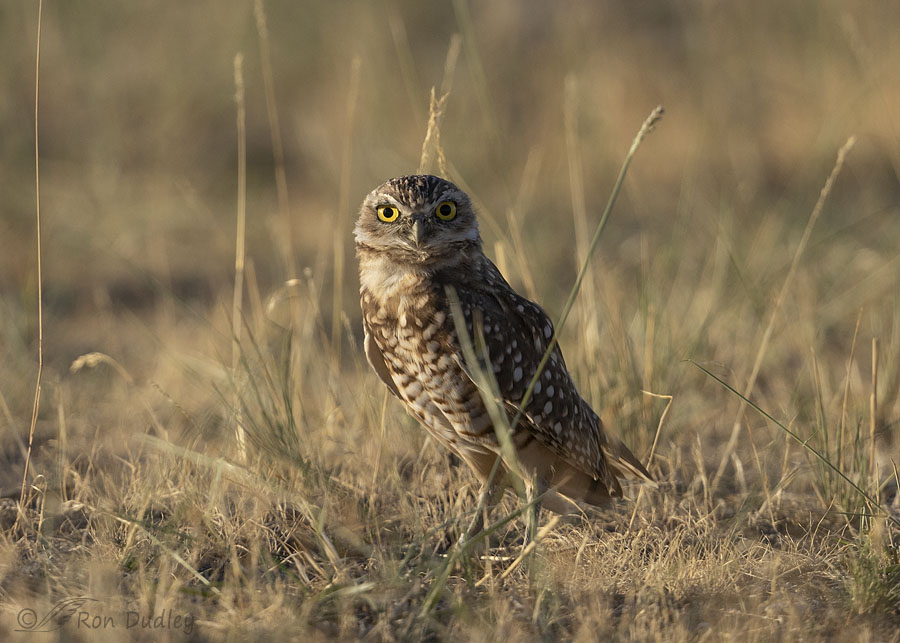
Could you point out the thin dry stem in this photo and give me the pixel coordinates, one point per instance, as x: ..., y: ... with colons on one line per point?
x: 40, y: 296
x: 383, y: 430
x: 841, y: 437
x: 93, y: 360
x: 236, y: 309
x: 662, y: 418
x: 873, y: 414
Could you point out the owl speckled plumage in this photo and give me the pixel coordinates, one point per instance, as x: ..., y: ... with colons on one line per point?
x: 415, y: 237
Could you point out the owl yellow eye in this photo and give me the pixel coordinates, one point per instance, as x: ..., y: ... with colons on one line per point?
x: 388, y: 213
x: 446, y: 210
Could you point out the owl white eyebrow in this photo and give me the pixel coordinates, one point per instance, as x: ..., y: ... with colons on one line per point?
x: 387, y: 197
x: 439, y: 199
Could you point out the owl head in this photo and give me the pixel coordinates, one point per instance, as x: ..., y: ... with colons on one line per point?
x: 417, y: 219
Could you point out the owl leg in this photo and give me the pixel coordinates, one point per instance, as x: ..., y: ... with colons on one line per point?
x: 492, y: 487
x: 489, y: 495
x: 534, y: 493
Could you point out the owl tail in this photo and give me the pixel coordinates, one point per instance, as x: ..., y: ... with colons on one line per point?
x: 624, y: 462
x: 571, y: 484
x: 568, y: 483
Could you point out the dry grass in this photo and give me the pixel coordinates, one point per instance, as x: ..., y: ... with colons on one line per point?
x: 342, y: 521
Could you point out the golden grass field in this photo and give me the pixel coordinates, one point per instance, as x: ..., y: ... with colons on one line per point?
x: 717, y: 269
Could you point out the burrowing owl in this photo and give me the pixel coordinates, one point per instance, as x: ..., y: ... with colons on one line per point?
x: 415, y: 237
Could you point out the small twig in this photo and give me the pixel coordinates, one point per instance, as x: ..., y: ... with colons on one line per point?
x: 662, y: 418
x: 431, y: 145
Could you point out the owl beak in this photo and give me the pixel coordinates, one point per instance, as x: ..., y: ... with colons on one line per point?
x: 417, y: 233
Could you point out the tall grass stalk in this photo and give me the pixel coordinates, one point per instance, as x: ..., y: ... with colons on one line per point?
x: 237, y: 301
x: 524, y: 198
x: 873, y: 415
x: 841, y: 435
x: 40, y: 295
x: 648, y: 126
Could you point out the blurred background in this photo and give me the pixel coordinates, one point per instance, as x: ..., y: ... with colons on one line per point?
x: 139, y: 157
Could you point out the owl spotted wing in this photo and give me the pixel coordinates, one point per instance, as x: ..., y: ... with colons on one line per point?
x: 376, y: 360
x: 517, y: 333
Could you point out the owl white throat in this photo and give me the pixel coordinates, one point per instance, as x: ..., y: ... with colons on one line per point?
x: 384, y: 279
x: 411, y: 228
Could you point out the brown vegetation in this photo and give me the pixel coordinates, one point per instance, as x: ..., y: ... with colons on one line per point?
x: 341, y: 520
